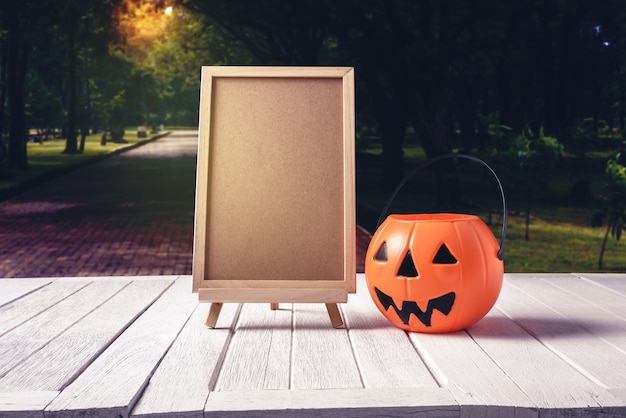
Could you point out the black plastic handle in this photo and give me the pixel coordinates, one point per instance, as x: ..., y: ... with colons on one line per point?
x: 445, y: 157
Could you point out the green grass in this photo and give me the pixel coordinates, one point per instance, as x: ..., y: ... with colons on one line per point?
x: 559, y: 246
x: 560, y: 236
x: 49, y: 154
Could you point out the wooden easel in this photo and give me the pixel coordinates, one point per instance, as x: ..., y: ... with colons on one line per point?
x: 297, y: 204
x: 332, y: 309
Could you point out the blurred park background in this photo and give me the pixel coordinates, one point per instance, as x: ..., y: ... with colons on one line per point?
x: 537, y: 89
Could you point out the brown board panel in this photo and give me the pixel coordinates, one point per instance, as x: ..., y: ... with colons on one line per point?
x: 275, y: 186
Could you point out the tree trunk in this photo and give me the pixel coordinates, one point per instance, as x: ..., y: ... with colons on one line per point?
x: 17, y: 58
x: 468, y: 120
x: 4, y: 172
x: 83, y: 137
x: 391, y: 112
x: 393, y: 130
x: 71, y: 144
x: 430, y: 124
x: 606, y: 237
x: 3, y: 80
x: 527, y: 233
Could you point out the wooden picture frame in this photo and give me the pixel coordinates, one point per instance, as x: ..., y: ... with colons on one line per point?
x: 275, y: 201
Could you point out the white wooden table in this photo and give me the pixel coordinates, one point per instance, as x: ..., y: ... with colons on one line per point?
x: 554, y: 345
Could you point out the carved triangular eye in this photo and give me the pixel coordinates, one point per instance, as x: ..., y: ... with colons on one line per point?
x: 381, y: 255
x: 407, y: 268
x: 444, y: 256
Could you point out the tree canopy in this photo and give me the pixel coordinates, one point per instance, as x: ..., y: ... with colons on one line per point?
x: 449, y: 70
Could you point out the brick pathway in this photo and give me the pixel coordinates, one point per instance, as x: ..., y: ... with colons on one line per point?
x: 130, y: 214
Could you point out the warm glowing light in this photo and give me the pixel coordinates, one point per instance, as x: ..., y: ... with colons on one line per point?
x: 141, y: 23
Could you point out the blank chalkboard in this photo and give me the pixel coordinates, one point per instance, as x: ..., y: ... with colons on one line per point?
x: 275, y: 205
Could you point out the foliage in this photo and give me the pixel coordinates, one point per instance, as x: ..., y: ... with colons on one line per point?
x: 168, y: 50
x: 117, y: 134
x: 44, y: 107
x: 531, y: 155
x: 616, y: 195
x: 450, y: 63
x: 615, y: 199
x: 175, y: 62
x: 562, y: 239
x: 527, y: 151
x: 583, y: 137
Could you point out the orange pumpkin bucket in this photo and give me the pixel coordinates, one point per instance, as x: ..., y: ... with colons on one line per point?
x: 435, y: 273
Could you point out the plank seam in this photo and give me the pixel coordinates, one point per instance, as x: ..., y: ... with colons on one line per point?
x: 220, y: 361
x: 597, y: 284
x: 135, y: 399
x: 78, y: 372
x: 291, y: 346
x: 435, y: 371
x: 45, y: 310
x: 25, y: 294
x: 550, y: 348
x: 494, y: 361
x: 225, y: 352
x: 353, y: 347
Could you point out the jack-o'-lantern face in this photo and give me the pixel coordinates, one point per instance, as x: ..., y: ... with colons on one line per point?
x: 433, y: 273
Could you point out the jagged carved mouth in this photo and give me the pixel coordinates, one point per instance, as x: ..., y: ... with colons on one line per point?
x: 442, y: 303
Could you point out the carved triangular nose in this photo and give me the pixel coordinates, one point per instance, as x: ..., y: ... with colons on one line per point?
x: 407, y: 268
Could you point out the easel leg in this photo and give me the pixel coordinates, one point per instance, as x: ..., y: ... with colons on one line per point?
x: 274, y: 306
x: 335, y: 316
x: 214, y: 313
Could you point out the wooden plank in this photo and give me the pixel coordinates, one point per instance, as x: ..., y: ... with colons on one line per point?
x: 384, y: 353
x: 26, y: 339
x: 56, y: 364
x: 260, y: 352
x: 24, y: 404
x: 594, y: 291
x: 551, y: 383
x: 570, y: 326
x: 168, y: 278
x: 23, y: 309
x: 16, y: 288
x: 614, y: 281
x: 111, y: 384
x: 478, y: 384
x: 620, y: 393
x: 604, y: 297
x: 361, y: 403
x: 322, y: 356
x: 181, y: 384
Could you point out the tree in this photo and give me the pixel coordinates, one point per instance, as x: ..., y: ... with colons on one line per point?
x: 273, y: 31
x: 530, y: 154
x: 615, y: 200
x: 17, y: 19
x: 443, y: 67
x: 166, y: 48
x: 45, y: 42
x: 175, y: 61
x: 86, y: 28
x: 406, y: 52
